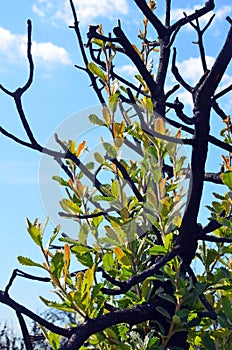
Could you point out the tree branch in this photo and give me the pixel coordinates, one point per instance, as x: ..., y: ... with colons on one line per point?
x: 5, y: 299
x: 26, y: 336
x: 124, y: 286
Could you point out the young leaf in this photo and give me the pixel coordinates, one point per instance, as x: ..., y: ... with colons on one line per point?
x: 35, y: 231
x: 97, y: 71
x: 28, y: 262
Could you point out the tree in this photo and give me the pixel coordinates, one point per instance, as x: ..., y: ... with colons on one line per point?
x: 136, y: 287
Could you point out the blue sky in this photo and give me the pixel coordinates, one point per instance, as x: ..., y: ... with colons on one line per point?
x: 60, y: 91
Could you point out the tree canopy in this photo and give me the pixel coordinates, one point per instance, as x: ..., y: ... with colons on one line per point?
x: 143, y: 271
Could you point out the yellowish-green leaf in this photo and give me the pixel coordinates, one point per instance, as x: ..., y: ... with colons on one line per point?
x: 97, y: 71
x: 227, y: 179
x: 35, y: 231
x: 28, y: 262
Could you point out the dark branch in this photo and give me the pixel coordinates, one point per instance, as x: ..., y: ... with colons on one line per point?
x: 177, y: 75
x: 209, y: 6
x: 26, y: 336
x: 127, y: 177
x: 20, y: 273
x: 5, y: 299
x: 124, y: 286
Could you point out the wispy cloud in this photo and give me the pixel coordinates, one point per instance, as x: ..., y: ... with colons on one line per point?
x: 14, y: 46
x: 191, y: 69
x: 127, y: 69
x: 87, y: 10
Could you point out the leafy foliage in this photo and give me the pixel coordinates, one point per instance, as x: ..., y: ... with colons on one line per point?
x: 127, y: 277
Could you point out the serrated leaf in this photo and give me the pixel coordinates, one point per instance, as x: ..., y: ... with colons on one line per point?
x: 28, y: 262
x: 35, y: 231
x: 59, y: 306
x: 97, y: 71
x: 85, y: 259
x: 57, y: 264
x: 93, y: 118
x: 55, y: 233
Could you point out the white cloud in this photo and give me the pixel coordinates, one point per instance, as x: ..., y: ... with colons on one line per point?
x: 127, y: 69
x: 36, y: 10
x: 87, y: 11
x: 50, y: 53
x: 191, y: 69
x: 223, y: 12
x: 14, y: 46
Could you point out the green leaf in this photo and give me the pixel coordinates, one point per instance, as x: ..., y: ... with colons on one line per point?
x: 108, y: 261
x: 110, y: 149
x: 102, y: 198
x: 84, y: 259
x: 163, y: 311
x: 99, y: 158
x: 68, y: 205
x: 55, y: 233
x: 52, y: 338
x: 98, y: 42
x: 97, y: 220
x: 208, y: 342
x: 97, y: 71
x: 227, y: 179
x: 61, y: 181
x: 57, y: 264
x: 227, y: 307
x: 157, y: 249
x: 35, y: 231
x: 93, y: 118
x: 59, y: 306
x: 113, y: 102
x: 28, y: 262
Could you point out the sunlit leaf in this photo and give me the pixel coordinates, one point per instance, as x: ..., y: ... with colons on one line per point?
x: 227, y: 179
x: 28, y: 262
x: 97, y: 71
x: 35, y: 231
